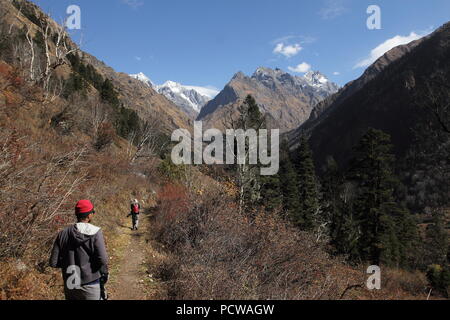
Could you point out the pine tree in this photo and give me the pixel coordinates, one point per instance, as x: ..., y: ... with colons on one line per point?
x: 331, y: 183
x: 270, y: 192
x: 337, y: 199
x: 307, y: 185
x: 255, y: 117
x: 247, y: 175
x: 289, y: 185
x: 379, y: 217
x: 269, y: 186
x: 109, y: 94
x: 436, y: 240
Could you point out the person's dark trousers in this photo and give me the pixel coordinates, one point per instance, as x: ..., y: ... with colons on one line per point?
x: 135, y: 220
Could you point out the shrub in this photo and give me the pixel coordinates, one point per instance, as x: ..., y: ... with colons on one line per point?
x: 171, y: 171
x: 127, y: 121
x: 219, y: 254
x: 439, y: 278
x: 75, y: 83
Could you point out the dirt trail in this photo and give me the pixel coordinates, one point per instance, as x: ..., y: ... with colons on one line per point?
x: 129, y: 277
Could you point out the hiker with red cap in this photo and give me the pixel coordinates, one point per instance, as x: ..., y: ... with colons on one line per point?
x: 80, y: 252
x: 135, y: 210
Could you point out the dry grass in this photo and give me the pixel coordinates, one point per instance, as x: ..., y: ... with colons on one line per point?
x: 20, y: 281
x: 43, y: 174
x: 215, y: 253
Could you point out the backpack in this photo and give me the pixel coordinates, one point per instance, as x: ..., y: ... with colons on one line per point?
x: 135, y: 208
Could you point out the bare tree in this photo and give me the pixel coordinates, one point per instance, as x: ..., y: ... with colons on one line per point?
x: 98, y: 118
x: 30, y: 40
x: 322, y: 229
x: 61, y: 50
x: 56, y: 48
x: 147, y: 141
x: 35, y: 187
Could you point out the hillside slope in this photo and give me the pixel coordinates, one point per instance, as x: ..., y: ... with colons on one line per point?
x: 390, y: 96
x: 132, y: 93
x: 140, y: 97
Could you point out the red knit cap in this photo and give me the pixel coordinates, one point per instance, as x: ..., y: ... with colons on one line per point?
x: 84, y: 206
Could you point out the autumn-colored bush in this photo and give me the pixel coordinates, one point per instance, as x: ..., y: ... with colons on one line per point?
x: 216, y: 253
x: 173, y: 203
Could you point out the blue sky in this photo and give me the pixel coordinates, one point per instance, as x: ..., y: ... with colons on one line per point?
x: 205, y: 42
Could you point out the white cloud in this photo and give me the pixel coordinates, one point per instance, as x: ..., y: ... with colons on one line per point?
x: 290, y: 38
x: 332, y: 9
x: 138, y: 58
x: 287, y: 50
x: 336, y: 73
x: 385, y: 47
x: 301, y: 68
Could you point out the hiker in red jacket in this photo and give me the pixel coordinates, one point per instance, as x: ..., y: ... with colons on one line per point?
x: 135, y: 210
x: 80, y: 252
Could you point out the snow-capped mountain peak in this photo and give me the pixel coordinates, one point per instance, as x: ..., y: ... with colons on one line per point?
x: 172, y: 84
x: 142, y: 77
x: 186, y: 97
x: 316, y: 79
x: 313, y: 79
x: 189, y: 98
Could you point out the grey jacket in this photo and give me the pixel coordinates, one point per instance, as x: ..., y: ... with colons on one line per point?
x: 81, y: 245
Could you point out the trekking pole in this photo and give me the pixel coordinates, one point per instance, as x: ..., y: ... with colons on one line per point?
x: 103, y: 292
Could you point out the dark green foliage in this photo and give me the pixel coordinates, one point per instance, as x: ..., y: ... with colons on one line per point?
x: 272, y: 185
x: 387, y: 231
x: 75, y: 83
x: 371, y: 170
x: 86, y: 71
x: 127, y: 121
x: 345, y: 231
x: 93, y: 76
x: 171, y: 171
x: 255, y: 118
x: 307, y: 186
x: 436, y: 240
x: 75, y: 61
x: 337, y: 202
x: 406, y: 235
x: 366, y: 220
x: 248, y: 176
x: 109, y: 94
x: 331, y: 182
x: 39, y: 40
x: 439, y: 278
x: 289, y: 185
x: 270, y: 192
x: 250, y: 115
